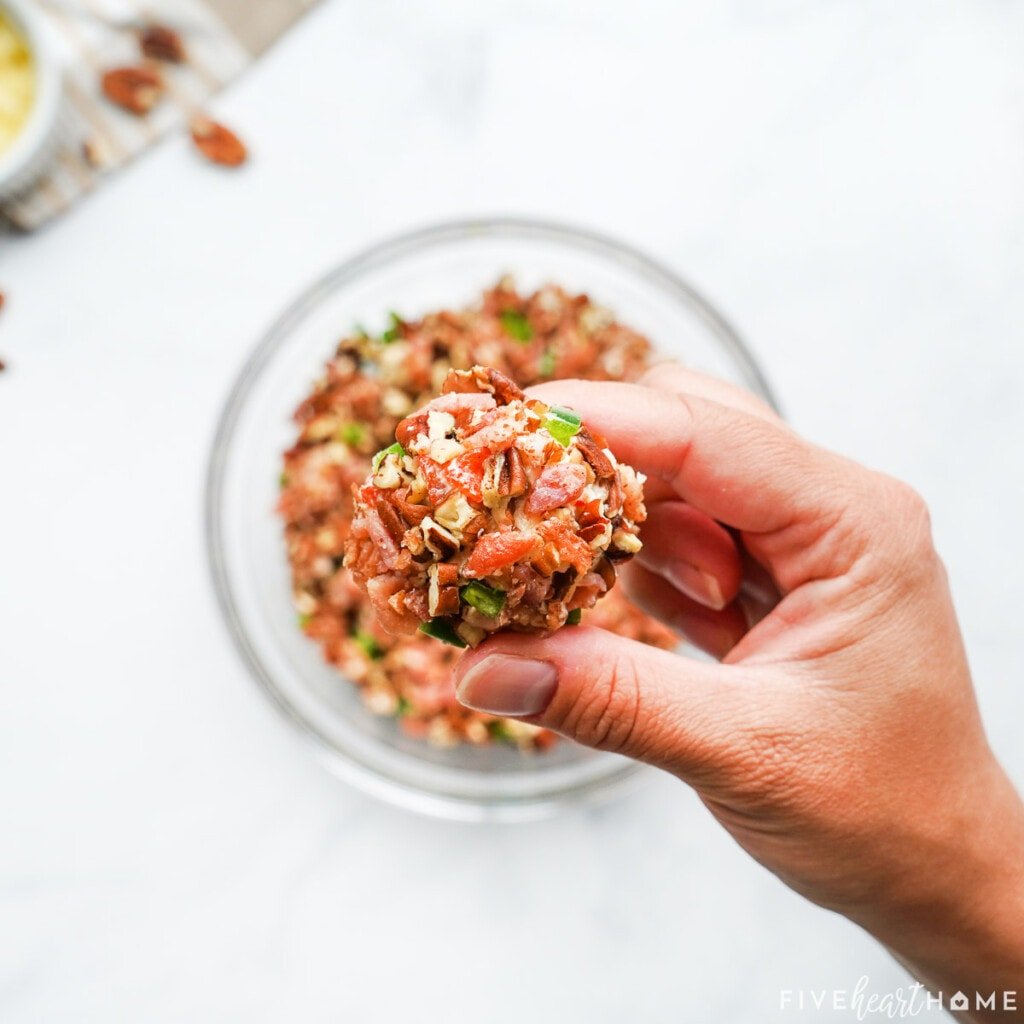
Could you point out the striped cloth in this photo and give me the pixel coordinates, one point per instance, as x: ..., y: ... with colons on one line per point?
x: 222, y: 37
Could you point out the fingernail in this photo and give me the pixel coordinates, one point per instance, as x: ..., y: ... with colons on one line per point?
x: 695, y: 583
x: 502, y: 684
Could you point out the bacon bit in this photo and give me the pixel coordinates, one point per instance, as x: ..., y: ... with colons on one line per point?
x: 381, y: 537
x: 410, y: 428
x: 158, y: 42
x: 558, y: 485
x: 410, y: 602
x: 497, y: 550
x: 496, y: 430
x: 380, y: 590
x: 461, y: 405
x: 466, y: 472
x: 570, y: 548
x: 599, y: 462
x: 438, y: 484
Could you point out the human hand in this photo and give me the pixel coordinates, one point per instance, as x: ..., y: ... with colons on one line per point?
x: 838, y: 741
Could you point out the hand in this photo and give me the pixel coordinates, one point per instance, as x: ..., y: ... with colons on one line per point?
x: 839, y: 740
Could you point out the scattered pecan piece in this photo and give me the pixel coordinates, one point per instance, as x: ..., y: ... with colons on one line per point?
x: 135, y: 89
x: 218, y: 144
x: 158, y: 42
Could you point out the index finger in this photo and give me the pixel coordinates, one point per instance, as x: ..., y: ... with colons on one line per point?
x: 743, y: 470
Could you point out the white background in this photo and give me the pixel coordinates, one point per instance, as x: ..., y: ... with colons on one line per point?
x: 845, y: 179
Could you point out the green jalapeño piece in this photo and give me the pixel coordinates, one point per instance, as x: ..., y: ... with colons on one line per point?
x: 392, y: 449
x: 394, y: 332
x: 442, y: 629
x: 562, y: 424
x: 516, y: 325
x: 368, y: 643
x: 485, y: 600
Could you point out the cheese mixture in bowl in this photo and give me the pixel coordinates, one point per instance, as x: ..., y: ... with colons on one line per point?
x: 17, y: 82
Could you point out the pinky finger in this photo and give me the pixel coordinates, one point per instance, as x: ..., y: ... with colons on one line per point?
x: 713, y: 631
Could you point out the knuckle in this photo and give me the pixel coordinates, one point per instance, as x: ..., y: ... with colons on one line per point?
x: 909, y: 529
x: 907, y: 503
x: 605, y: 713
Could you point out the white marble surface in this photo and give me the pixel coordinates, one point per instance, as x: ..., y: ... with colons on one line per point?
x: 846, y: 179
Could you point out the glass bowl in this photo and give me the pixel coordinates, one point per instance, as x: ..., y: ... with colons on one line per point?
x: 443, y: 266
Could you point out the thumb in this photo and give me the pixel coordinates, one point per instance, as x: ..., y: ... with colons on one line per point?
x: 609, y: 693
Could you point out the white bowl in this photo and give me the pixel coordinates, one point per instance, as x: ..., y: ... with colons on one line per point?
x: 445, y: 266
x: 29, y: 155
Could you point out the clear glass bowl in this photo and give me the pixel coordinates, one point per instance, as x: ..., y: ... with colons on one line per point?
x: 448, y: 265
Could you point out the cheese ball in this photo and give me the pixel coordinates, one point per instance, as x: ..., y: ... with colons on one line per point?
x: 491, y: 511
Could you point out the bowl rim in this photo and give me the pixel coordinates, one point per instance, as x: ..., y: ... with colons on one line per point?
x: 344, y: 763
x: 36, y: 132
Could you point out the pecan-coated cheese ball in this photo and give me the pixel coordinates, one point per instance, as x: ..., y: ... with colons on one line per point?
x: 491, y: 511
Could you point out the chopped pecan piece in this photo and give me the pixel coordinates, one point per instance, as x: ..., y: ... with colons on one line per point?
x: 412, y: 514
x: 484, y: 379
x: 599, y: 462
x: 516, y: 472
x: 606, y: 571
x: 443, y: 594
x: 390, y: 518
x: 438, y: 539
x: 594, y: 530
